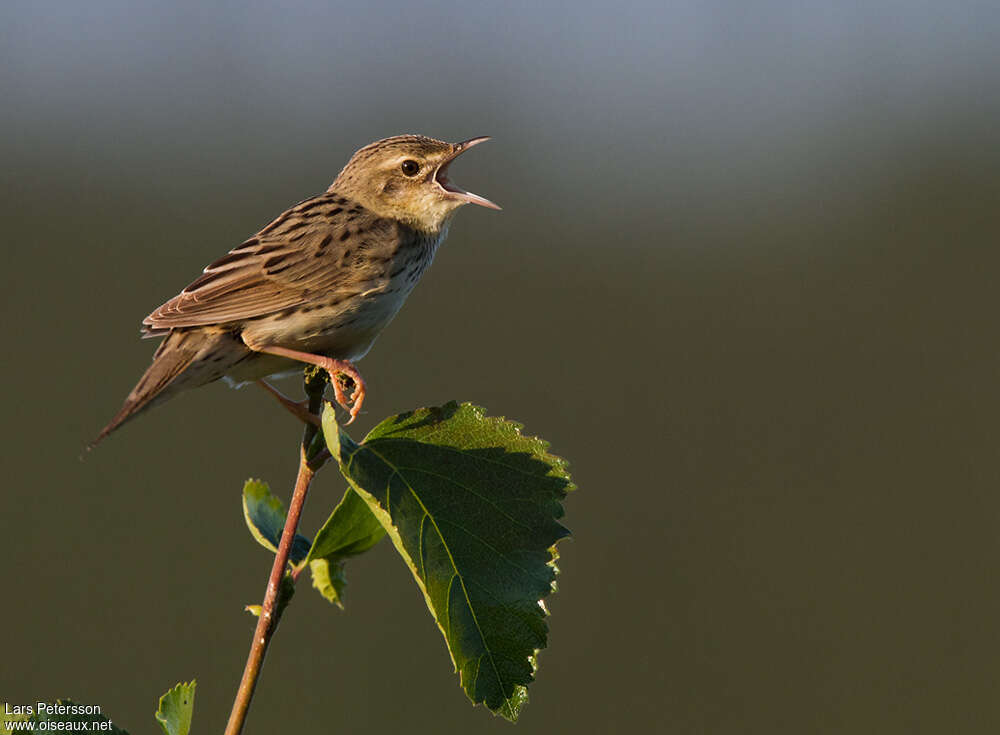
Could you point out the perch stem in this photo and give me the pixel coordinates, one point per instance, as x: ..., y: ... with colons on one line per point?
x: 267, y: 622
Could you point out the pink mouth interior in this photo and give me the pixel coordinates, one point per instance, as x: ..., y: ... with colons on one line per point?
x: 442, y: 178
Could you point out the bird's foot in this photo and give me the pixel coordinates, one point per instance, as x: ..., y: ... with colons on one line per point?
x: 339, y: 370
x: 336, y: 369
x: 299, y: 409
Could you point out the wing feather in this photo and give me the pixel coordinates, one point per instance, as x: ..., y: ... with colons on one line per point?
x: 297, y: 256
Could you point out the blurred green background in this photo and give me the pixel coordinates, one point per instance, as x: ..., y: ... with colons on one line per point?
x: 744, y: 280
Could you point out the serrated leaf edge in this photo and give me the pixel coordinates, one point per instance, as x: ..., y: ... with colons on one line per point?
x: 161, y: 718
x: 539, y: 450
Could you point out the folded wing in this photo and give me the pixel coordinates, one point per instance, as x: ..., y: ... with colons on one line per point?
x: 302, y: 254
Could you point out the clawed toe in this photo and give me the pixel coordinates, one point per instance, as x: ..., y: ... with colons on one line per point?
x: 358, y: 397
x: 338, y: 389
x: 352, y: 405
x: 336, y: 369
x: 299, y: 409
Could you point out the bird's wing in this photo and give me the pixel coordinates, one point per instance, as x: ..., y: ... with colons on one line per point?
x: 306, y: 253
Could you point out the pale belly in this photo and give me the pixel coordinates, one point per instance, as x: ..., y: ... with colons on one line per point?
x: 341, y: 327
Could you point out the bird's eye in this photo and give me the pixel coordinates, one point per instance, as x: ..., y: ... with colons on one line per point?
x: 410, y: 167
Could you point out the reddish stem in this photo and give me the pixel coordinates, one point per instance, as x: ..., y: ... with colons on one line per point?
x: 270, y: 612
x: 268, y: 620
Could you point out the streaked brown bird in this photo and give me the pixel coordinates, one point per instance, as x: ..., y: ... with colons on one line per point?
x: 317, y: 285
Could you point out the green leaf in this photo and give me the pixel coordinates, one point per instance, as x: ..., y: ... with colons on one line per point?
x: 176, y: 708
x: 471, y: 505
x: 265, y: 517
x: 60, y: 716
x: 11, y: 713
x: 350, y: 530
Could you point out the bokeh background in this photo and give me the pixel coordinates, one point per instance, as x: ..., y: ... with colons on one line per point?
x: 744, y: 280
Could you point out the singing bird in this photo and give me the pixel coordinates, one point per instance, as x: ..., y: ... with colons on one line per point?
x: 317, y: 285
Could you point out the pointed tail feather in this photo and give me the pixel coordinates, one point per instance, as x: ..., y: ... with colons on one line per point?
x: 160, y: 381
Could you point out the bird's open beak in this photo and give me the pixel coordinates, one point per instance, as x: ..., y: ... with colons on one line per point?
x: 456, y: 192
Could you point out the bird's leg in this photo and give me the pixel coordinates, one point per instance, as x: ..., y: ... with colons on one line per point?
x: 299, y: 409
x: 335, y: 368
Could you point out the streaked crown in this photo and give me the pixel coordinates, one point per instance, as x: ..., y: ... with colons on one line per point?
x: 405, y: 178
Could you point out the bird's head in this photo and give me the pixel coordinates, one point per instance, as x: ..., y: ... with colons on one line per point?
x: 406, y: 177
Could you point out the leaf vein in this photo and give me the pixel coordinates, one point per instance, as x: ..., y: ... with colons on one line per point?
x: 465, y: 453
x: 465, y: 591
x: 482, y: 497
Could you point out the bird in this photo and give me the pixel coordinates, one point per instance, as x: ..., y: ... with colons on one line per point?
x: 317, y: 285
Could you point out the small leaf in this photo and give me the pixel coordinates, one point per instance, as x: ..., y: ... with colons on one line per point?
x: 176, y: 708
x: 350, y: 530
x: 471, y: 505
x: 9, y: 714
x: 254, y: 610
x: 265, y: 517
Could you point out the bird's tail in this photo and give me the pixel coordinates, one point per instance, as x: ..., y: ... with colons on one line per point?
x: 178, y: 355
